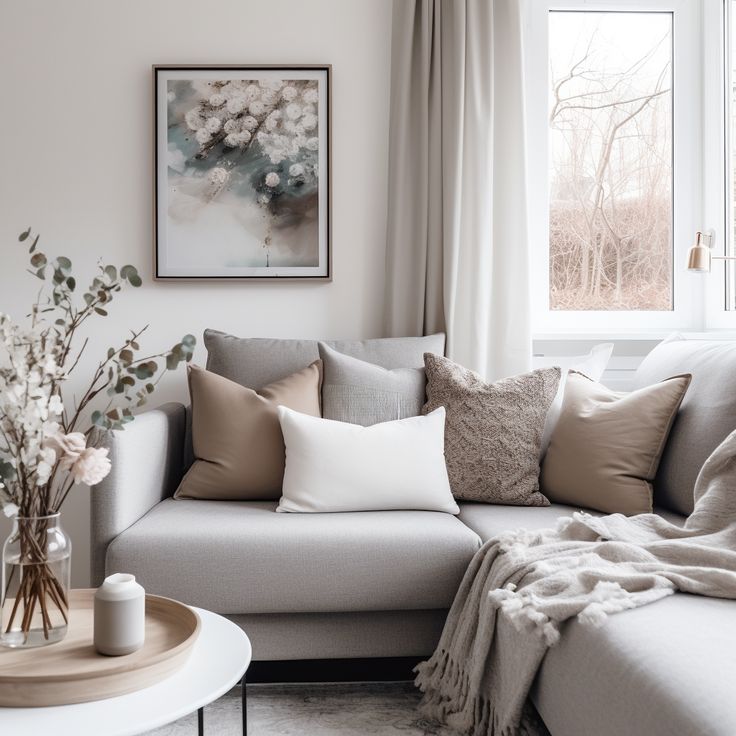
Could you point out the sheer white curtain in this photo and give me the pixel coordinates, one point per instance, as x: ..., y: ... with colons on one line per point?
x: 457, y: 247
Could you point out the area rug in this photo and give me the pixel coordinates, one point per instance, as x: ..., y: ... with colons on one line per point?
x: 323, y: 709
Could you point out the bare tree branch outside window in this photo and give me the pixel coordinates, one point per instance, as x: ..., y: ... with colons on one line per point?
x: 610, y: 118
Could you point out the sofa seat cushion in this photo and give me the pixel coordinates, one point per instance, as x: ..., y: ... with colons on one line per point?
x: 663, y: 669
x: 488, y: 520
x: 242, y: 557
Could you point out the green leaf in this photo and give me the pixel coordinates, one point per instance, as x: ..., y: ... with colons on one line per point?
x: 135, y: 345
x: 71, y: 283
x: 189, y: 340
x: 63, y: 263
x: 89, y: 299
x: 59, y: 277
x: 150, y: 388
x: 126, y: 356
x: 128, y: 381
x: 7, y: 471
x: 101, y: 311
x: 97, y: 418
x: 60, y: 322
x: 41, y: 273
x: 112, y: 273
x: 38, y: 260
x: 172, y: 361
x: 34, y: 244
x: 24, y: 235
x: 127, y: 271
x: 110, y: 353
x: 145, y: 370
x: 135, y: 281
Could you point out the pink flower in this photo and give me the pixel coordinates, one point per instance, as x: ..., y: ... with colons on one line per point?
x: 91, y: 466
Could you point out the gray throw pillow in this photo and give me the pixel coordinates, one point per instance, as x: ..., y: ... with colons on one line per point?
x: 257, y: 361
x: 363, y: 393
x: 493, y: 431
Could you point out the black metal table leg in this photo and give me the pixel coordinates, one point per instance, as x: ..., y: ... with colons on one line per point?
x: 244, y: 706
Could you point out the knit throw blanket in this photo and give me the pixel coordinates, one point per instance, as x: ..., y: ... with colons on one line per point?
x: 522, y: 585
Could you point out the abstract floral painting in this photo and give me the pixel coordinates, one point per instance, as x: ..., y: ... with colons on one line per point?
x: 242, y: 164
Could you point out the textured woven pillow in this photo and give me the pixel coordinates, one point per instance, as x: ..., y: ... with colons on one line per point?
x: 238, y: 445
x: 493, y: 431
x: 363, y: 393
x: 606, y: 447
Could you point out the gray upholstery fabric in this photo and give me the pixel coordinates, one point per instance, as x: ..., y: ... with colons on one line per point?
x: 242, y: 557
x: 707, y: 414
x: 363, y: 393
x: 659, y: 670
x: 279, y: 636
x: 146, y: 467
x: 255, y: 362
x: 489, y: 520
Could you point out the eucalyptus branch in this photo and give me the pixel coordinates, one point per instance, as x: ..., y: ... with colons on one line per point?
x: 41, y: 453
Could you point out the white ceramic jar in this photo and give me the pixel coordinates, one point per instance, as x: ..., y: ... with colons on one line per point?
x: 120, y: 615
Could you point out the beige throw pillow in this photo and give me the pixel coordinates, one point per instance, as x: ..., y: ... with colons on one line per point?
x: 606, y: 447
x: 238, y: 446
x: 493, y: 431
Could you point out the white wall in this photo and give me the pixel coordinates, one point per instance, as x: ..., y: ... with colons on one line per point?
x: 75, y: 137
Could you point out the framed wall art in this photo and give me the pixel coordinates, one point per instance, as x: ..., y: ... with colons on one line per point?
x: 242, y: 172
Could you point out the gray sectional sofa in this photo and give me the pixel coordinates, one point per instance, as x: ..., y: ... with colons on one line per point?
x: 379, y: 584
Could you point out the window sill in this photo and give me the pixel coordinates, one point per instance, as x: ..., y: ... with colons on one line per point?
x: 631, y: 335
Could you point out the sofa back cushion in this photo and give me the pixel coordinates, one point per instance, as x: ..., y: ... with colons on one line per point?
x: 256, y: 361
x: 707, y: 414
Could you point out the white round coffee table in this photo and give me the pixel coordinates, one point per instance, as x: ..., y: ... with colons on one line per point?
x: 219, y: 659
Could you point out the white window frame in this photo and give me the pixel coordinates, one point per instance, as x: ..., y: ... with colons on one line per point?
x: 688, y: 192
x: 717, y: 189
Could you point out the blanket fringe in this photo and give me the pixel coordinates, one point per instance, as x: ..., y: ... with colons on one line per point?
x: 446, y: 699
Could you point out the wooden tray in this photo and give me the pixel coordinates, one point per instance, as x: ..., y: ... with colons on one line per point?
x: 71, y: 671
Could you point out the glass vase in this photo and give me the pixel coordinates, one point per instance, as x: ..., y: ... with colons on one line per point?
x: 35, y: 583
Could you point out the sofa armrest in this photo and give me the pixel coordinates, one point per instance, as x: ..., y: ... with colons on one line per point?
x: 146, y: 468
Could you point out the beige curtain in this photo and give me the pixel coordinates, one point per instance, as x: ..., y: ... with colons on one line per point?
x: 457, y: 250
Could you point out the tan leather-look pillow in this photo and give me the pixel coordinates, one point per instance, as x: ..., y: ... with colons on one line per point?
x: 606, y: 447
x: 238, y: 446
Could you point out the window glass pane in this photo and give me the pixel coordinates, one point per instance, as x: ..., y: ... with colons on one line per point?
x: 730, y: 78
x: 610, y: 177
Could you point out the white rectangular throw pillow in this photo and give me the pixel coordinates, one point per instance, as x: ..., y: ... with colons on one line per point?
x: 336, y: 466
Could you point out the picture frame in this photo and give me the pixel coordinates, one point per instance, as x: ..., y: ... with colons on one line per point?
x: 242, y: 172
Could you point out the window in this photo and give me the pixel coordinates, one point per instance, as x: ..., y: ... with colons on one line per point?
x: 729, y: 91
x: 613, y: 106
x: 610, y: 162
